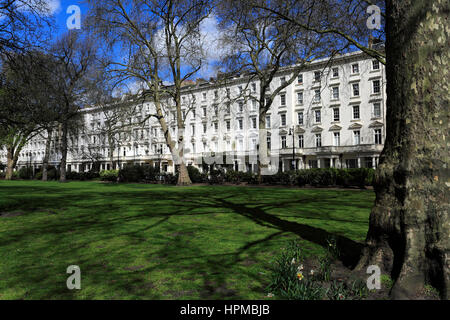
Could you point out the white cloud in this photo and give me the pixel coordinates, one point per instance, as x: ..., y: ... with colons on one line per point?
x: 51, y: 6
x: 54, y: 6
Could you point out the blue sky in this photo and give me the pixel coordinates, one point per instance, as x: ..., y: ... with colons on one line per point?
x: 59, y: 8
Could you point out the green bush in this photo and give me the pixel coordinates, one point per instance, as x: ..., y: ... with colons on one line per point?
x: 109, y: 175
x: 25, y: 173
x: 169, y: 178
x: 150, y: 173
x: 216, y: 176
x: 131, y: 173
x: 82, y: 176
x: 196, y: 176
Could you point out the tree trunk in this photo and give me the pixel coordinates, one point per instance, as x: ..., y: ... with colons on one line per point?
x: 263, y: 161
x: 10, y: 164
x: 408, y: 234
x: 47, y: 155
x: 62, y: 169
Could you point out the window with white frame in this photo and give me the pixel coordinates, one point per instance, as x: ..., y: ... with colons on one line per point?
x: 283, y: 119
x: 216, y: 126
x: 317, y: 95
x: 253, y: 121
x: 204, y: 128
x: 335, y: 72
x: 356, y: 115
x: 193, y: 129
x: 318, y: 116
x: 317, y: 75
x: 282, y: 99
x: 204, y: 111
x: 267, y: 122
x: 377, y: 110
x: 254, y: 105
x: 204, y: 96
x: 300, y: 98
x: 240, y: 124
x: 318, y: 140
x: 378, y: 136
x: 356, y: 137
x: 355, y: 68
x: 300, y: 78
x: 336, y: 115
x: 376, y: 86
x: 240, y: 106
x: 300, y: 118
x: 375, y: 65
x: 253, y: 87
x: 283, y: 142
x: 355, y: 89
x: 335, y: 93
x: 301, y: 141
x: 269, y: 143
x: 336, y: 139
x: 283, y: 80
x: 228, y: 122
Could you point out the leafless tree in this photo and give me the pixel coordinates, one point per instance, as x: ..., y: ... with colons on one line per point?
x: 23, y: 24
x: 160, y: 42
x: 76, y: 67
x: 262, y: 46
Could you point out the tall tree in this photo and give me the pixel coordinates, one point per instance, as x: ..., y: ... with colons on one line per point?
x: 75, y: 70
x: 262, y: 47
x: 26, y: 106
x: 23, y: 24
x: 409, y: 231
x: 160, y: 42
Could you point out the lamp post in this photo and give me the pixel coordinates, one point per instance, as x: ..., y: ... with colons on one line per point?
x: 291, y: 133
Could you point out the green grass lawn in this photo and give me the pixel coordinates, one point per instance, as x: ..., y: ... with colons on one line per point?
x: 136, y: 241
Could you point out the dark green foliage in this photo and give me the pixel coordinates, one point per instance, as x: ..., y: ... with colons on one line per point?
x: 169, y: 178
x: 82, y: 176
x: 131, y: 173
x: 150, y: 173
x: 25, y: 173
x: 196, y: 176
x: 216, y: 176
x: 109, y: 175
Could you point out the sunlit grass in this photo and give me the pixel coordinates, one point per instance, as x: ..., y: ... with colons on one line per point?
x: 137, y: 241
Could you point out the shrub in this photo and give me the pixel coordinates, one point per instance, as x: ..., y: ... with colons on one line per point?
x: 150, y: 173
x: 216, y: 177
x: 131, y: 173
x: 169, y: 178
x: 359, y: 177
x: 82, y: 176
x: 196, y: 176
x: 109, y: 175
x: 25, y: 173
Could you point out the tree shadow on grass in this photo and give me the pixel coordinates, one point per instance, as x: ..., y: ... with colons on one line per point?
x: 350, y: 251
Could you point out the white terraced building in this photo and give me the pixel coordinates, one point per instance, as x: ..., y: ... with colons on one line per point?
x: 333, y: 115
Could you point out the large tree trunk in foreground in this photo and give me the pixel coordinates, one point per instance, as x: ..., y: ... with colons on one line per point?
x: 47, y: 155
x: 408, y: 235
